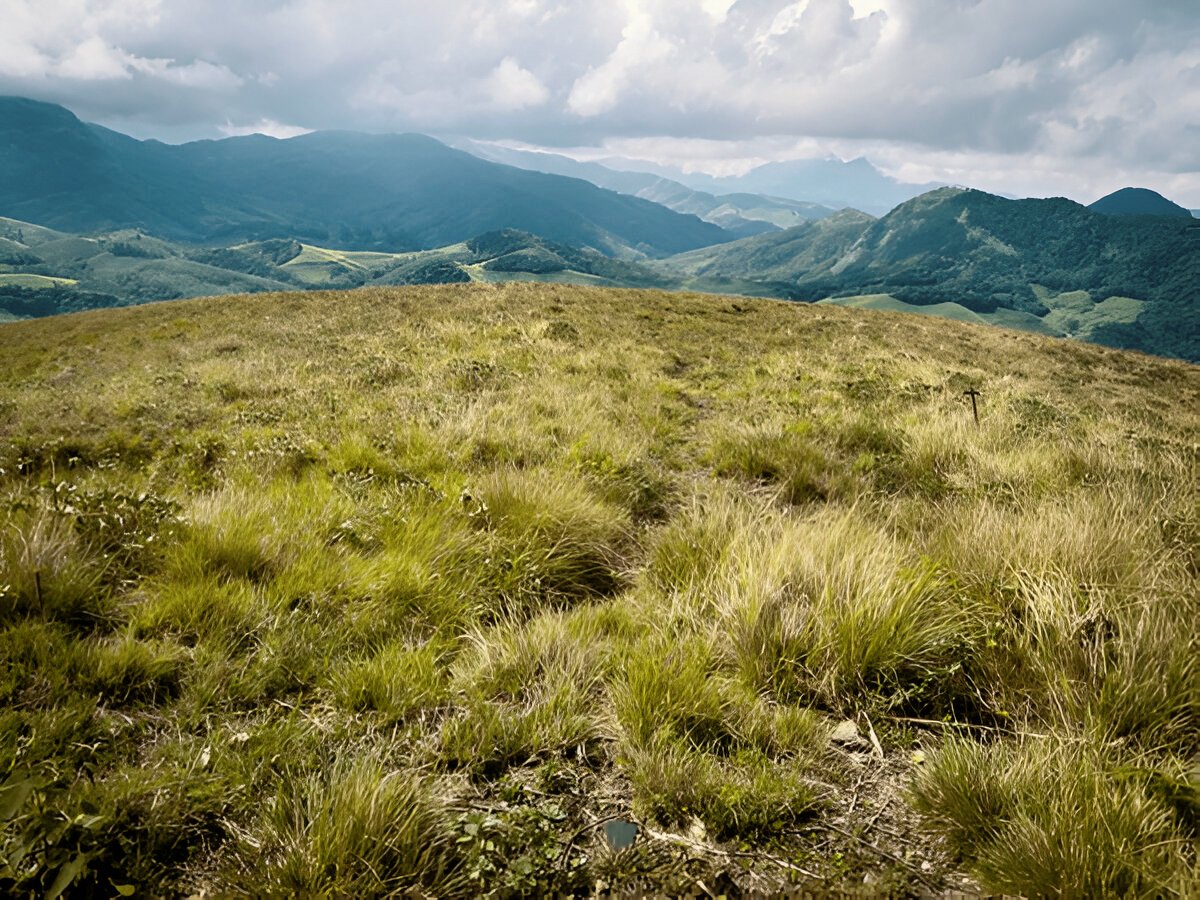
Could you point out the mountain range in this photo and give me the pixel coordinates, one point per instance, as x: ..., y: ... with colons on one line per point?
x: 832, y: 182
x: 339, y: 189
x: 101, y: 219
x: 857, y: 183
x: 742, y: 214
x: 1048, y: 265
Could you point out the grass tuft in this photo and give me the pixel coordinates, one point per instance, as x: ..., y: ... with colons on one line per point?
x: 1051, y: 818
x: 356, y: 830
x: 46, y: 570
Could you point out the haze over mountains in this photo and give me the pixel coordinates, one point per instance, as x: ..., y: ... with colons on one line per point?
x: 133, y: 221
x: 342, y: 189
x: 856, y: 183
x: 742, y: 214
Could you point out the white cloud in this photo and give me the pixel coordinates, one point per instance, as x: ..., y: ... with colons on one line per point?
x: 200, y: 74
x: 599, y: 89
x: 92, y: 59
x: 510, y: 86
x: 269, y: 127
x: 1058, y: 88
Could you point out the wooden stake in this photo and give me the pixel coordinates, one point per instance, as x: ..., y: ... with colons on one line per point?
x: 972, y: 393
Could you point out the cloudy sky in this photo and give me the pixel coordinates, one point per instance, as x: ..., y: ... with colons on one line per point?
x: 1026, y: 97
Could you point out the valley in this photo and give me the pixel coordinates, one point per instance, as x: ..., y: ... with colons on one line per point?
x: 1048, y: 266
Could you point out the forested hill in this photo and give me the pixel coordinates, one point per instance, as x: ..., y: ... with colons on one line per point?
x: 988, y: 254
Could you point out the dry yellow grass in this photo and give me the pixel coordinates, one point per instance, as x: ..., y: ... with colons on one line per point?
x: 538, y: 556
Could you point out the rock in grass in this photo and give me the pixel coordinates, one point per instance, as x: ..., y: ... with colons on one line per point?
x: 846, y: 734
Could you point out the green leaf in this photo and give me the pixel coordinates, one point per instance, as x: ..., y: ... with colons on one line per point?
x: 72, y: 869
x: 13, y: 797
x: 125, y: 890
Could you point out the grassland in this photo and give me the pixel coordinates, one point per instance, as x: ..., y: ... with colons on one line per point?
x: 18, y: 279
x: 411, y: 590
x: 319, y: 266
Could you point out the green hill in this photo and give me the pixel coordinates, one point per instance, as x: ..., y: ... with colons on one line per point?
x: 1050, y: 266
x: 411, y: 591
x: 988, y: 254
x: 336, y: 189
x: 806, y: 250
x: 1138, y: 202
x: 127, y: 267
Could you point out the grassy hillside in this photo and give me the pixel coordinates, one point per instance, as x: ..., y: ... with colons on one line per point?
x: 415, y: 589
x: 56, y: 272
x: 989, y: 254
x: 1073, y: 314
x: 8, y: 279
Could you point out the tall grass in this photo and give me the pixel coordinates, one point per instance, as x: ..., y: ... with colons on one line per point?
x: 409, y: 591
x: 46, y: 570
x: 355, y: 830
x: 1053, y: 818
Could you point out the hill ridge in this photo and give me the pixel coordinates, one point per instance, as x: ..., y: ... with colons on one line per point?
x: 394, y: 192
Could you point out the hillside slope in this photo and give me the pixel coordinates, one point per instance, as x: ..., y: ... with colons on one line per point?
x: 338, y: 189
x: 988, y: 254
x: 45, y: 272
x: 412, y: 590
x: 1138, y: 202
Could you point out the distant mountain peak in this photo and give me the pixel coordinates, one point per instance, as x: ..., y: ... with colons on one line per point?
x: 335, y: 189
x: 1134, y: 201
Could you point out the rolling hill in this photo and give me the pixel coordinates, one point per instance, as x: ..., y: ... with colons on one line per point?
x: 410, y: 591
x: 1052, y: 267
x: 45, y: 272
x: 1138, y: 202
x: 988, y: 254
x: 338, y: 189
